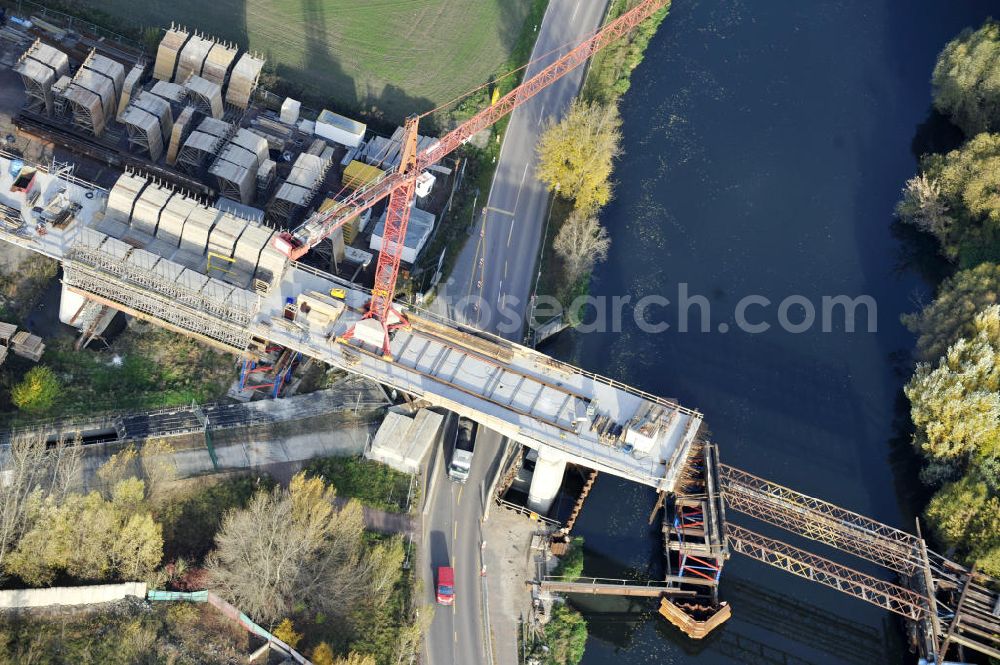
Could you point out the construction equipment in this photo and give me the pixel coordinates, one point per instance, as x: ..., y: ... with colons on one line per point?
x: 381, y: 318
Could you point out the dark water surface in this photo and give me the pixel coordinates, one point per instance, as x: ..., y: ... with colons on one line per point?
x: 765, y: 146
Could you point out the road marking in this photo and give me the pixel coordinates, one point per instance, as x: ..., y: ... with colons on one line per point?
x: 459, y: 499
x: 502, y: 212
x: 575, y: 10
x: 505, y: 269
x: 454, y: 533
x: 510, y: 233
x: 541, y: 115
x: 456, y: 632
x: 500, y: 293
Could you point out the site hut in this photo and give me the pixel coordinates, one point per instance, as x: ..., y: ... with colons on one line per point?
x: 338, y: 129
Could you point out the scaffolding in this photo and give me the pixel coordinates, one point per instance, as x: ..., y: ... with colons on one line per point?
x: 40, y: 67
x: 271, y: 373
x: 101, y: 268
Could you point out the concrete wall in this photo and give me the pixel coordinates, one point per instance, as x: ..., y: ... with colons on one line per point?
x: 79, y: 595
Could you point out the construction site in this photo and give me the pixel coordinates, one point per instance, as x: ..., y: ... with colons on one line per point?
x: 282, y: 236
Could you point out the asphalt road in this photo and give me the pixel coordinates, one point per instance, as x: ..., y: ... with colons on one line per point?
x: 497, y: 267
x: 508, y: 236
x: 453, y: 538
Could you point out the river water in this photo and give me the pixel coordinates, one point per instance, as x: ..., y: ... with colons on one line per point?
x: 765, y: 144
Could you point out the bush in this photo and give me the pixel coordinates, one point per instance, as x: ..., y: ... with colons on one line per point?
x: 566, y: 636
x: 372, y: 483
x: 37, y: 391
x: 571, y: 563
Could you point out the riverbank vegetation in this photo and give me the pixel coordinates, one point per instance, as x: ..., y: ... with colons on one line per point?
x: 576, y: 163
x: 955, y: 390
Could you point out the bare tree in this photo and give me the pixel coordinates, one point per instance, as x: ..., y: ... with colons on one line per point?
x: 29, y: 472
x: 290, y: 546
x: 581, y: 243
x: 924, y: 207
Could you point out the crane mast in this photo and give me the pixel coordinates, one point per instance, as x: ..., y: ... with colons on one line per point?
x: 400, y: 185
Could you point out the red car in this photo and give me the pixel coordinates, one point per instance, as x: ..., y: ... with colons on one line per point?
x: 446, y: 585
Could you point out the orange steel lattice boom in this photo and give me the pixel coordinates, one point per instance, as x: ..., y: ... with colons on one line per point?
x: 399, y: 185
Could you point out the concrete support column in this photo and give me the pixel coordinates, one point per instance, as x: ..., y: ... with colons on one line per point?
x: 545, y: 481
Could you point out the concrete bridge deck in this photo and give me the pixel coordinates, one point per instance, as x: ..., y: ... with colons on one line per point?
x: 141, y: 255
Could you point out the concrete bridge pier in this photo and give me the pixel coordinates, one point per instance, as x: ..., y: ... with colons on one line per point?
x: 546, y: 480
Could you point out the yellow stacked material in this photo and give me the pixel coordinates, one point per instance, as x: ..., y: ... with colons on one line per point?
x: 358, y: 174
x: 351, y: 228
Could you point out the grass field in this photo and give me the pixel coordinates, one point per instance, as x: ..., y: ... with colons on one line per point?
x: 386, y: 58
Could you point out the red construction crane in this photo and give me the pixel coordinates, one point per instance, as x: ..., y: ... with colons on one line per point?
x: 399, y: 185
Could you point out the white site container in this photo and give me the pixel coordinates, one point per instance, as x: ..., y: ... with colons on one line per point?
x: 337, y: 128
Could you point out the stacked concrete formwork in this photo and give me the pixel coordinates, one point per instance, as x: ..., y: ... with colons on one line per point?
x: 298, y: 190
x: 182, y: 129
x: 149, y: 123
x: 130, y: 87
x: 167, y: 53
x: 93, y: 93
x: 385, y: 152
x: 170, y: 92
x: 206, y: 241
x: 205, y: 96
x: 203, y: 144
x: 191, y: 59
x: 243, y: 80
x: 265, y: 176
x: 40, y: 67
x: 218, y: 63
x: 237, y: 166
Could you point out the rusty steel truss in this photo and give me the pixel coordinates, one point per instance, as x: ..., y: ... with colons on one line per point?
x: 817, y: 569
x: 820, y: 521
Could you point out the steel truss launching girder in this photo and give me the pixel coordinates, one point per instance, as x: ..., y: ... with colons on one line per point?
x: 815, y: 568
x: 820, y: 521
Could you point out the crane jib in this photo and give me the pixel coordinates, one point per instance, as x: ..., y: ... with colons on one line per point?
x: 320, y: 225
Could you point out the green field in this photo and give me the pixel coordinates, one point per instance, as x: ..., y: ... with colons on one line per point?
x: 386, y: 58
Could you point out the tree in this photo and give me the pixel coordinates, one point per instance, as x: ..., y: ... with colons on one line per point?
x: 966, y: 515
x: 968, y: 182
x: 923, y: 206
x: 576, y: 154
x: 952, y: 314
x: 289, y: 547
x: 30, y: 473
x: 966, y: 79
x: 955, y: 406
x: 581, y: 242
x: 37, y: 391
x: 123, y: 464
x: 566, y: 636
x: 157, y: 463
x: 89, y: 538
x: 354, y: 659
x: 322, y: 654
x: 286, y: 633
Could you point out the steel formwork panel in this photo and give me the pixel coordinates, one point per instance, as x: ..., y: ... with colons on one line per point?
x: 129, y: 87
x: 243, y: 80
x: 143, y: 260
x: 271, y: 264
x: 215, y: 127
x: 217, y: 290
x: 159, y: 108
x: 168, y: 271
x: 113, y: 70
x: 173, y: 217
x: 144, y: 131
x: 170, y: 92
x: 196, y: 230
x: 252, y: 143
x: 218, y: 62
x: 115, y: 249
x: 149, y: 205
x: 192, y: 280
x: 248, y: 248
x: 167, y: 52
x: 226, y: 232
x: 192, y: 57
x: 204, y: 94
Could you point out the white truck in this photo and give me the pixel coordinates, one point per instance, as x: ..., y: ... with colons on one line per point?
x: 461, y: 457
